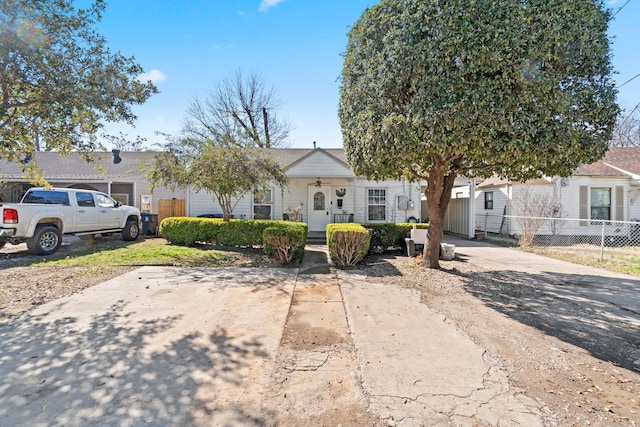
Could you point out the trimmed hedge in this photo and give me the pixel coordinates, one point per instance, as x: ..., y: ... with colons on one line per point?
x: 348, y: 243
x: 284, y: 242
x: 385, y: 235
x: 187, y: 231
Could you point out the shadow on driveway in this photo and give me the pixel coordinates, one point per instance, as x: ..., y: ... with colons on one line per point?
x: 63, y: 372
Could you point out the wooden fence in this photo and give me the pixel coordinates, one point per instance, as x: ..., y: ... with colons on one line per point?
x: 171, y: 207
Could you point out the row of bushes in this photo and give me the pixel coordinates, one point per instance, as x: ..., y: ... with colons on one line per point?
x: 282, y: 241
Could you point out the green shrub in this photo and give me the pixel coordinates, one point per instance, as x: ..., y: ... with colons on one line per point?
x: 385, y: 235
x: 284, y: 242
x: 243, y: 232
x: 236, y: 232
x: 348, y: 243
x: 186, y: 231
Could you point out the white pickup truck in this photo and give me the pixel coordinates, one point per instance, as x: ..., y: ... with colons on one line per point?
x: 44, y: 215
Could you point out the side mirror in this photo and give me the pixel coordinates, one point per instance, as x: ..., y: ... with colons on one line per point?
x: 118, y: 204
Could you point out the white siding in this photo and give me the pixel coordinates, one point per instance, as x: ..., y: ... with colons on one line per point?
x: 319, y: 164
x: 490, y: 220
x: 201, y: 203
x: 394, y: 189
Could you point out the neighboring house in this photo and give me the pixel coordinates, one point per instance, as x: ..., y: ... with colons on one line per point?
x: 322, y: 190
x: 123, y: 180
x: 608, y: 189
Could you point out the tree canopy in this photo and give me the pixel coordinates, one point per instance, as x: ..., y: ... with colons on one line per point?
x: 226, y: 172
x: 59, y: 80
x: 436, y: 89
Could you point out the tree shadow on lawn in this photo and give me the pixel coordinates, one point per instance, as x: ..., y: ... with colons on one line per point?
x: 600, y: 315
x: 61, y: 370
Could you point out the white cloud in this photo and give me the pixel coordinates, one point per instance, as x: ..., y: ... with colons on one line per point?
x: 266, y: 4
x: 154, y: 75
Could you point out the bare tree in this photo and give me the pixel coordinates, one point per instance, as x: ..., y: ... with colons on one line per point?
x: 124, y: 143
x: 532, y: 210
x: 627, y: 130
x: 240, y: 110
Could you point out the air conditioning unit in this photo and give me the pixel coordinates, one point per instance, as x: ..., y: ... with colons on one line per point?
x: 404, y: 203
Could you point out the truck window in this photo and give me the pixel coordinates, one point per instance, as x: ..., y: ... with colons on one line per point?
x: 105, y: 201
x: 85, y: 199
x: 47, y: 197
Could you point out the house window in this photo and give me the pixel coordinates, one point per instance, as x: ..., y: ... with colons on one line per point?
x: 376, y: 204
x: 262, y: 201
x: 601, y: 203
x: 318, y: 201
x: 488, y: 199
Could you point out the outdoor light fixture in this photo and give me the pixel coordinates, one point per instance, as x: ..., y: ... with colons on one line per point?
x: 318, y: 183
x: 341, y: 192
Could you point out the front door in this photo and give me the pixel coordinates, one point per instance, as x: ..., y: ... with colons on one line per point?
x: 319, y: 205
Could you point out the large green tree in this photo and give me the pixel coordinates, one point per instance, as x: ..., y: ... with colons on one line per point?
x: 58, y: 78
x: 435, y: 89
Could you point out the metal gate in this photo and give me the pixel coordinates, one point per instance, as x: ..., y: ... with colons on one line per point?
x: 456, y: 221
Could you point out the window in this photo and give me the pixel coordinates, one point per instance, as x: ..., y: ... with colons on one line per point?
x: 376, y: 204
x: 47, y: 197
x: 488, y: 199
x: 262, y: 201
x: 85, y: 199
x: 106, y: 201
x: 601, y: 203
x: 318, y: 201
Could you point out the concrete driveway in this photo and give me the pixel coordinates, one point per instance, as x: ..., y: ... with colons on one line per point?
x: 178, y: 347
x: 157, y: 346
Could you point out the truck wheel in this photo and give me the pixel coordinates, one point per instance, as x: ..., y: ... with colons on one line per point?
x: 45, y: 241
x: 131, y: 231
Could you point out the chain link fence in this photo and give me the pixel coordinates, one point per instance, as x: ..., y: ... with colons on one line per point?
x: 599, y: 237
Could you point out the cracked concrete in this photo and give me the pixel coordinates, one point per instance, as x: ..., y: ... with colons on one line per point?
x: 420, y: 370
x: 178, y: 346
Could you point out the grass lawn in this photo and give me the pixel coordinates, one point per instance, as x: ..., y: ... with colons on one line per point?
x: 110, y: 252
x: 621, y: 260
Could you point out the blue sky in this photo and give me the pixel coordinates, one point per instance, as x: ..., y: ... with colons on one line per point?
x: 295, y: 45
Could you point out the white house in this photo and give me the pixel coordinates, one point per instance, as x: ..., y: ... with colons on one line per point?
x: 322, y: 190
x: 608, y: 189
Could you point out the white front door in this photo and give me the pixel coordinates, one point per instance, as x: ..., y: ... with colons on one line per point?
x: 319, y: 206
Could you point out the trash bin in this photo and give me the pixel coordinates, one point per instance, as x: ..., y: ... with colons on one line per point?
x: 149, y: 224
x: 447, y: 251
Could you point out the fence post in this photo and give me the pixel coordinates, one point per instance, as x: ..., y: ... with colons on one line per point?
x: 602, y: 243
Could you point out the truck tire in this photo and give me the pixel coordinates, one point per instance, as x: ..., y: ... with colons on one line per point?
x: 131, y: 231
x: 45, y: 241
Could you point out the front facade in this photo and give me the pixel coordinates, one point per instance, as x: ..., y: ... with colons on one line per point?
x: 322, y: 190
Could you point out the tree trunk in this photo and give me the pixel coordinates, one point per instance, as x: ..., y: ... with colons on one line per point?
x: 438, y: 194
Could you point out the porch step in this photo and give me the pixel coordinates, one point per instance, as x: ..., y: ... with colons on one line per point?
x: 316, y: 238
